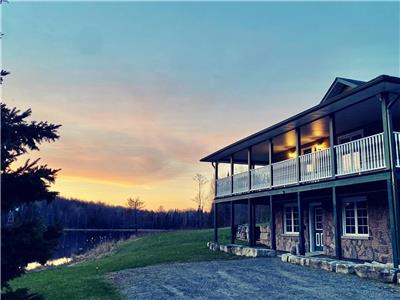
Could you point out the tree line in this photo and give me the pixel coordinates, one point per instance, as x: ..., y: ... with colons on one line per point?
x: 74, y: 213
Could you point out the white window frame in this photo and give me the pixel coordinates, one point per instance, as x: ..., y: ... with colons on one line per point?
x: 354, y: 200
x: 293, y: 207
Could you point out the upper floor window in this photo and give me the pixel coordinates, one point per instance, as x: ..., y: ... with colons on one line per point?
x: 352, y: 136
x: 355, y: 218
x: 291, y: 219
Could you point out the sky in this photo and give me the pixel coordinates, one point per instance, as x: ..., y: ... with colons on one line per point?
x: 144, y: 90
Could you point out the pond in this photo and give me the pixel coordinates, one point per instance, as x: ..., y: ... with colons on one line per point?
x: 78, y: 241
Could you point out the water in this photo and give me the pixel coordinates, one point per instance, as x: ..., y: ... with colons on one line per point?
x: 78, y: 241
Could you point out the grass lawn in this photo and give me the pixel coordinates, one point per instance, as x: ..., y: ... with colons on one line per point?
x: 86, y: 280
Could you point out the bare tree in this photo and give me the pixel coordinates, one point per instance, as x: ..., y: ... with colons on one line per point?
x: 200, y: 198
x: 135, y: 204
x: 210, y: 194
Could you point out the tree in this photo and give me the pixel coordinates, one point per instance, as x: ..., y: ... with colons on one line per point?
x: 199, y: 198
x: 26, y: 240
x: 135, y: 204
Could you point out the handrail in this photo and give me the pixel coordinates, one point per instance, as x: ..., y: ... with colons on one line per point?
x: 223, y: 186
x: 284, y: 172
x: 315, y: 166
x: 260, y: 178
x: 241, y: 182
x: 365, y: 154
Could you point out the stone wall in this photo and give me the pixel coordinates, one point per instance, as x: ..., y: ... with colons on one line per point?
x: 377, y: 247
x: 284, y: 242
x: 265, y: 235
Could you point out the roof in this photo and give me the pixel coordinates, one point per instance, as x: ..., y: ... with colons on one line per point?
x: 330, y: 104
x: 341, y: 85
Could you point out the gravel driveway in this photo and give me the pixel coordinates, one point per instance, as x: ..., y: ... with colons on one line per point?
x: 258, y: 278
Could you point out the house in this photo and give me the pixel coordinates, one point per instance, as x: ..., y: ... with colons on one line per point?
x: 328, y: 177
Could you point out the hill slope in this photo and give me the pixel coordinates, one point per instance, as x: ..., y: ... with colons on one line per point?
x: 87, y: 281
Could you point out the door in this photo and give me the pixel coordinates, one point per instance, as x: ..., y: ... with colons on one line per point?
x: 318, y: 229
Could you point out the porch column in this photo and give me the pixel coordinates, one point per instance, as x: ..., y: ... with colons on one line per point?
x: 298, y: 153
x: 332, y: 142
x: 233, y: 233
x: 393, y: 193
x: 272, y: 222
x: 250, y: 206
x: 271, y: 159
x: 337, y: 223
x: 249, y: 165
x: 301, y: 224
x: 215, y: 223
x: 232, y: 171
x: 392, y: 221
x: 216, y: 179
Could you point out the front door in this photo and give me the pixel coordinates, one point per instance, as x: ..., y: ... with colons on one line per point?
x: 318, y: 229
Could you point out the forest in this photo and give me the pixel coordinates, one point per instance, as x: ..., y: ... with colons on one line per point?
x: 74, y: 213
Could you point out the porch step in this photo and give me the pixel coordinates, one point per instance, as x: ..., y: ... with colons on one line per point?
x: 241, y: 250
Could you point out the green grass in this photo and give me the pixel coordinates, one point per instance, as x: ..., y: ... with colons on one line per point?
x: 87, y: 280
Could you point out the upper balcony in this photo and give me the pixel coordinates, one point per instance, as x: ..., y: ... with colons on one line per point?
x: 347, y: 134
x: 354, y: 157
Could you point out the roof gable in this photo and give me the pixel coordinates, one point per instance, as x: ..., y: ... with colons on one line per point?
x: 339, y: 86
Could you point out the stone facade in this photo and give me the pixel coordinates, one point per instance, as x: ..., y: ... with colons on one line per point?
x: 289, y: 242
x: 265, y: 235
x: 377, y: 247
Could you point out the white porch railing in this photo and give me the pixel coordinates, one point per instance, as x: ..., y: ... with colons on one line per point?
x: 366, y: 154
x: 284, y: 172
x: 362, y: 155
x: 260, y: 178
x: 314, y: 166
x: 397, y: 142
x: 241, y: 182
x: 224, y: 186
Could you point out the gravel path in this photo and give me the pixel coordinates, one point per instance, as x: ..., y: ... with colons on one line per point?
x: 259, y: 278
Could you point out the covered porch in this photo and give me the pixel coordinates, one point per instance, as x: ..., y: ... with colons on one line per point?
x: 347, y: 222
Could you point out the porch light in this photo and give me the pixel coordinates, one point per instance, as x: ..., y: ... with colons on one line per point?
x: 292, y: 154
x: 321, y: 146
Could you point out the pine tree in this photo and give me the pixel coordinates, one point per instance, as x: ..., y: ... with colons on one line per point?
x: 26, y: 240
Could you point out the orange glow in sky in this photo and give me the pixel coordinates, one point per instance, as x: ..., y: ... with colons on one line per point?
x: 144, y: 90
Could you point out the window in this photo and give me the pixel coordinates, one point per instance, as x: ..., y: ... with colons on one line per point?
x: 291, y: 219
x: 352, y: 136
x: 355, y: 218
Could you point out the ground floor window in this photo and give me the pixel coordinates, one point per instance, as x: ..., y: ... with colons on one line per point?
x: 355, y: 217
x: 291, y: 219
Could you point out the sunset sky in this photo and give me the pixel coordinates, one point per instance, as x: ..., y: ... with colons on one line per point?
x: 144, y: 90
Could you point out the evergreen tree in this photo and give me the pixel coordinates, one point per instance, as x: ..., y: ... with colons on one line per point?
x: 25, y: 240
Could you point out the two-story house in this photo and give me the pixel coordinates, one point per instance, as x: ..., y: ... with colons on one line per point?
x: 329, y: 176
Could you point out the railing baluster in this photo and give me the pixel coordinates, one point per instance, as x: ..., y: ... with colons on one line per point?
x: 365, y: 154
